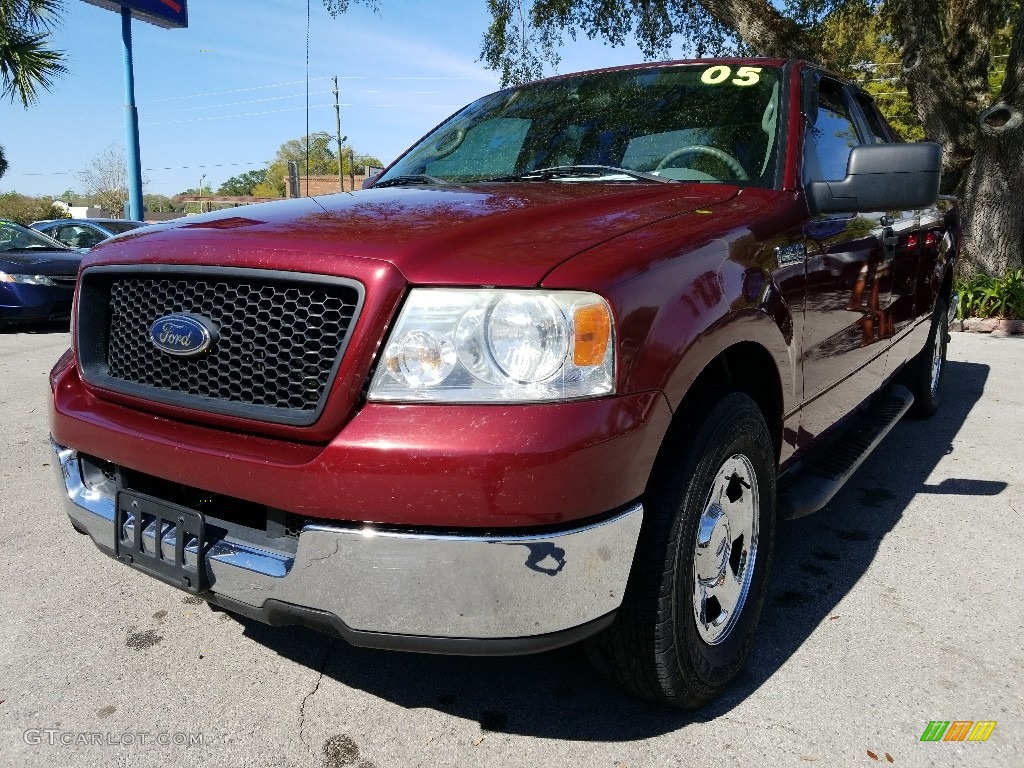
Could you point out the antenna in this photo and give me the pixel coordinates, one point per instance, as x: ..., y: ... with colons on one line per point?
x: 307, y: 98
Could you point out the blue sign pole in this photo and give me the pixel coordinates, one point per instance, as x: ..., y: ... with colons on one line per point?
x: 131, y: 122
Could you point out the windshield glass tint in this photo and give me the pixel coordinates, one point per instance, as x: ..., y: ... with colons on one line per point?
x: 14, y: 237
x: 118, y: 227
x: 709, y: 123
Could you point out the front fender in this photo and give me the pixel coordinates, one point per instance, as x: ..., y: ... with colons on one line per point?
x: 751, y: 325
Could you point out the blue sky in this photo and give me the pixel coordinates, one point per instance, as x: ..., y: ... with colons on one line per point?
x: 220, y: 97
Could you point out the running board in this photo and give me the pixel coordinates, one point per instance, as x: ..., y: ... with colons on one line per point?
x: 822, y: 474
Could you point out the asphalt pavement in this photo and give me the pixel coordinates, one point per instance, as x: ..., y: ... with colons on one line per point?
x: 897, y: 605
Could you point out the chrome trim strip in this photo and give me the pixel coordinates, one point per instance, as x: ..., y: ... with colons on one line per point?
x: 954, y: 304
x: 429, y: 585
x: 92, y: 511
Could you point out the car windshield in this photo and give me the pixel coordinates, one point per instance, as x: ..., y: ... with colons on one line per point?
x: 14, y: 237
x: 702, y: 123
x: 120, y: 227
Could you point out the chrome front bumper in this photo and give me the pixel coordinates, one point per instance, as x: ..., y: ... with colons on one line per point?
x: 415, y: 591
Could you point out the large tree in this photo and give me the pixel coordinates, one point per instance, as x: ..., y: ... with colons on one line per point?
x: 322, y: 159
x: 27, y: 63
x: 243, y: 183
x: 945, y: 49
x: 106, y: 180
x: 312, y: 152
x: 159, y: 204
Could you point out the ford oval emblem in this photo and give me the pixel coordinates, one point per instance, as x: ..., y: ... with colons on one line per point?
x: 183, y: 334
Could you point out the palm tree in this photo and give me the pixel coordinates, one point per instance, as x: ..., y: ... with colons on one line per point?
x: 26, y: 61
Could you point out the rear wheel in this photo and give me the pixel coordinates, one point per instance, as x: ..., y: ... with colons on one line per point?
x: 699, y: 578
x: 924, y: 372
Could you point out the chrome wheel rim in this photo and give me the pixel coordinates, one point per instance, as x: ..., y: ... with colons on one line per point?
x: 937, y: 357
x: 725, y: 550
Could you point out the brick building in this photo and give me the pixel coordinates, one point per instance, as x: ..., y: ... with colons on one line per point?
x: 322, y: 185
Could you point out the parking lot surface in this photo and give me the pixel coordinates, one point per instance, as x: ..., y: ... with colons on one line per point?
x: 897, y: 605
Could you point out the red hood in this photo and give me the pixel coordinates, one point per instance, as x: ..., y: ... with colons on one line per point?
x: 508, y: 234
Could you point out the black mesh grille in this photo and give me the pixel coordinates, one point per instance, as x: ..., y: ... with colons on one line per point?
x: 278, y: 340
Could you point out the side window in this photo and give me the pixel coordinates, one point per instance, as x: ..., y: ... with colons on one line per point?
x: 65, y: 234
x: 828, y: 142
x: 88, y: 237
x: 874, y: 122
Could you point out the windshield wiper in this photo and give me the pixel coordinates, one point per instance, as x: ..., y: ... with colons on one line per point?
x: 410, y: 179
x: 581, y: 171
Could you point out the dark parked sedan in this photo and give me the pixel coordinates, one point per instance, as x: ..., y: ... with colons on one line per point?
x: 37, y: 275
x: 83, y: 234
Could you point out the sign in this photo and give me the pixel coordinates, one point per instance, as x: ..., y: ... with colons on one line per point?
x: 169, y: 14
x: 958, y: 730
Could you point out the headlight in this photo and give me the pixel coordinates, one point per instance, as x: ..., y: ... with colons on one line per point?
x: 26, y: 279
x: 476, y: 345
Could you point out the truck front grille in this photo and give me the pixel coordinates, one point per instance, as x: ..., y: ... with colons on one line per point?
x: 280, y: 338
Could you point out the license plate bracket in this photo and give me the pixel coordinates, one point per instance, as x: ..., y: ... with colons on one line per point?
x: 145, y: 525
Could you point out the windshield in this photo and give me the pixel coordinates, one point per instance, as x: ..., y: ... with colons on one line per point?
x: 120, y: 227
x: 704, y: 123
x: 14, y: 237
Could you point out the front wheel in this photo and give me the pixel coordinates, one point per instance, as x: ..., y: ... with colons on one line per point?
x: 700, y: 575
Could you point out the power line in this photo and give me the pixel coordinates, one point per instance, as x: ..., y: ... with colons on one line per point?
x: 312, y: 79
x: 289, y: 96
x: 234, y: 103
x: 446, y: 107
x: 156, y: 168
x: 233, y: 90
x: 208, y: 165
x: 229, y: 117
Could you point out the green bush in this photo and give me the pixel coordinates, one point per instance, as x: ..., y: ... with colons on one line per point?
x: 24, y: 209
x: 985, y: 296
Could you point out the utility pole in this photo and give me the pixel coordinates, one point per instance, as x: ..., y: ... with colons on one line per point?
x: 337, y: 128
x: 169, y: 14
x: 131, y: 121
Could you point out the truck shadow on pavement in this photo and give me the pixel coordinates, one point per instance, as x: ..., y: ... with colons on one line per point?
x: 41, y: 327
x: 818, y: 560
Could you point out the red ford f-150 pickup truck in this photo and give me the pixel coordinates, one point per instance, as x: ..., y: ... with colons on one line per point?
x: 553, y: 376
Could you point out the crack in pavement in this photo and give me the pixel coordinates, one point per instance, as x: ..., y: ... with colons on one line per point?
x: 310, y: 694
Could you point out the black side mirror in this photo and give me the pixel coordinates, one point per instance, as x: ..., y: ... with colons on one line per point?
x: 882, y: 177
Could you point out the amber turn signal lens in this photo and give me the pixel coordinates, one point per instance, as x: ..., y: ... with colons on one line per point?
x: 593, y: 331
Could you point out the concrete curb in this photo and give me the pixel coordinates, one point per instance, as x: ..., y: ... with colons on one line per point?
x: 997, y: 326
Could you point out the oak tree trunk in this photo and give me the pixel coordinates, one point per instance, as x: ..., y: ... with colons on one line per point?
x: 991, y: 194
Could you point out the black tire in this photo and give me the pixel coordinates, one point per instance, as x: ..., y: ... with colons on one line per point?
x: 924, y: 371
x: 657, y: 647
